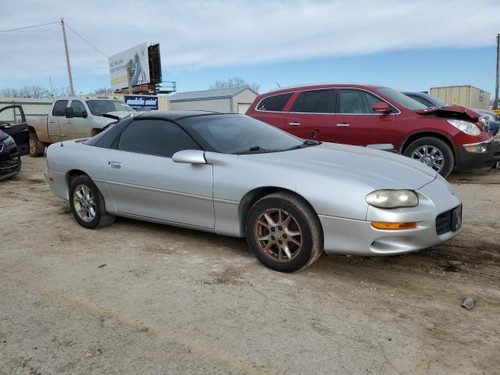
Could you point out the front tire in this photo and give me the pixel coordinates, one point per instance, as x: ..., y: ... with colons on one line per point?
x: 87, y: 204
x: 37, y: 148
x: 434, y: 153
x: 284, y: 232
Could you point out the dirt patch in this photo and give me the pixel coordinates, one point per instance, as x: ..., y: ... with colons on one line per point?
x: 145, y: 298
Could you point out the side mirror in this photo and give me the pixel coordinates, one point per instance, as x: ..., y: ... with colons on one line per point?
x: 190, y: 156
x: 68, y: 111
x: 85, y: 114
x: 381, y: 107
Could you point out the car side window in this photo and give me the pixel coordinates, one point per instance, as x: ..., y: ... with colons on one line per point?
x: 274, y: 103
x: 421, y: 100
x: 316, y: 101
x: 78, y: 108
x: 59, y: 108
x: 155, y: 137
x: 356, y: 101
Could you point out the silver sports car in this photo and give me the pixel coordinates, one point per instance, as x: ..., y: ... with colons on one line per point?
x: 230, y: 174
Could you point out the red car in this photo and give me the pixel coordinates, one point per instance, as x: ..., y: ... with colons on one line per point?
x: 444, y: 138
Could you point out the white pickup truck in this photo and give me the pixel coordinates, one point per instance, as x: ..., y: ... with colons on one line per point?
x: 72, y: 118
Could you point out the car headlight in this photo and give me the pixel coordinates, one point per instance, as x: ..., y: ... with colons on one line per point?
x: 465, y: 126
x: 9, y: 141
x: 392, y: 198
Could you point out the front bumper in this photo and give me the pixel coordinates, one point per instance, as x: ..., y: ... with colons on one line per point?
x: 10, y: 162
x: 471, y: 160
x: 358, y: 237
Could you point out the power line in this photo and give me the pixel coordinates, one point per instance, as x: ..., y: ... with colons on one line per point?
x: 86, y: 41
x: 28, y: 27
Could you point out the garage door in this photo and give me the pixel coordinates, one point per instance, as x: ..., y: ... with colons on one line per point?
x: 242, y: 107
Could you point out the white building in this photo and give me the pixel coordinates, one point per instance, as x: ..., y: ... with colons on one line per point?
x: 233, y: 100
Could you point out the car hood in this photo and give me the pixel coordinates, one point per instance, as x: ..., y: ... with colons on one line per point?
x: 451, y: 111
x: 377, y: 169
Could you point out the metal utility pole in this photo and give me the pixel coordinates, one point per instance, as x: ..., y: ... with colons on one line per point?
x: 496, y: 104
x: 71, y: 90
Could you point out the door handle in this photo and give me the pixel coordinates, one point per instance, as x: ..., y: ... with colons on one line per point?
x: 69, y: 122
x: 51, y: 122
x: 294, y: 123
x: 343, y: 125
x: 115, y: 164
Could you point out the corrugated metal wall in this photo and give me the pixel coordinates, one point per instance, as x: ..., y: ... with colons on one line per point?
x: 242, y: 101
x: 466, y: 96
x: 30, y: 106
x: 218, y: 105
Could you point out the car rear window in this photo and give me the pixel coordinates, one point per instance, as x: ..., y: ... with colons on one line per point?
x: 274, y: 103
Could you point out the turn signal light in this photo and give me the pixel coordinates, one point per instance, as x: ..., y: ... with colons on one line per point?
x: 393, y: 226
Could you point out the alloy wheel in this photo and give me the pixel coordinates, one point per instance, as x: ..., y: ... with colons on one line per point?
x: 84, y: 203
x: 430, y: 156
x: 278, y: 235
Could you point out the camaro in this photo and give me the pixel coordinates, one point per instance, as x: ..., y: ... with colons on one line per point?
x: 233, y: 175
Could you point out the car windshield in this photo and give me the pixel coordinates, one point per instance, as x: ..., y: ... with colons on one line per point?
x: 238, y: 134
x: 401, y: 99
x: 100, y: 107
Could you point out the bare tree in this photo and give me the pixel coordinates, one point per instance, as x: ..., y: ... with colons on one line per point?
x: 26, y: 92
x: 103, y: 91
x: 232, y: 83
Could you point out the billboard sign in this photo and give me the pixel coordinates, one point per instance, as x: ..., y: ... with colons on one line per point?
x: 141, y: 102
x: 138, y: 59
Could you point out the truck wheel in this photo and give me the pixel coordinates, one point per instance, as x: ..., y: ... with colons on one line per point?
x: 284, y: 232
x: 37, y: 148
x: 434, y: 153
x: 87, y: 204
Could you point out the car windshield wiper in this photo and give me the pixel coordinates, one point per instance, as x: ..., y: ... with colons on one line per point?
x: 248, y: 150
x: 305, y: 143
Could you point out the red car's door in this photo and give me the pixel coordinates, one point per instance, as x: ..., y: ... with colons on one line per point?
x: 311, y: 115
x: 356, y: 123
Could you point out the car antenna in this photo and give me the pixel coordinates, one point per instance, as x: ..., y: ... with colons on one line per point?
x: 278, y: 84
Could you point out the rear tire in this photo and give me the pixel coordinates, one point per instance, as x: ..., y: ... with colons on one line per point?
x: 37, y: 148
x: 87, y: 204
x: 434, y: 153
x: 284, y: 232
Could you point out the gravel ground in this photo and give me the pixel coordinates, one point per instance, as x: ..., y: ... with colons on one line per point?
x: 141, y: 298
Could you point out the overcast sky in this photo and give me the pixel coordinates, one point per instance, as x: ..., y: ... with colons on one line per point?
x: 262, y: 41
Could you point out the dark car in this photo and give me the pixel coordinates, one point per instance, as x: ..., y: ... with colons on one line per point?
x: 14, y: 142
x: 444, y: 138
x: 492, y: 117
x: 425, y: 99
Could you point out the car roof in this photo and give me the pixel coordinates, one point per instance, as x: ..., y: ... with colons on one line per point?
x: 319, y: 86
x: 176, y: 115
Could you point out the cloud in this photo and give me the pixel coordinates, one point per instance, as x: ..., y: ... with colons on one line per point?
x: 194, y: 34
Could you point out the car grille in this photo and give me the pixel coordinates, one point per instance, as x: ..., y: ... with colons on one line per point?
x: 449, y: 221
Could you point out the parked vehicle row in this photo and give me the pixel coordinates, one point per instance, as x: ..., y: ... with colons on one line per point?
x: 72, y: 118
x: 233, y: 175
x: 444, y: 137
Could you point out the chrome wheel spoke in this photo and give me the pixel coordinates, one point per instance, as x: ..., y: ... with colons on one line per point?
x: 293, y: 240
x: 269, y: 220
x: 264, y: 238
x: 287, y: 251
